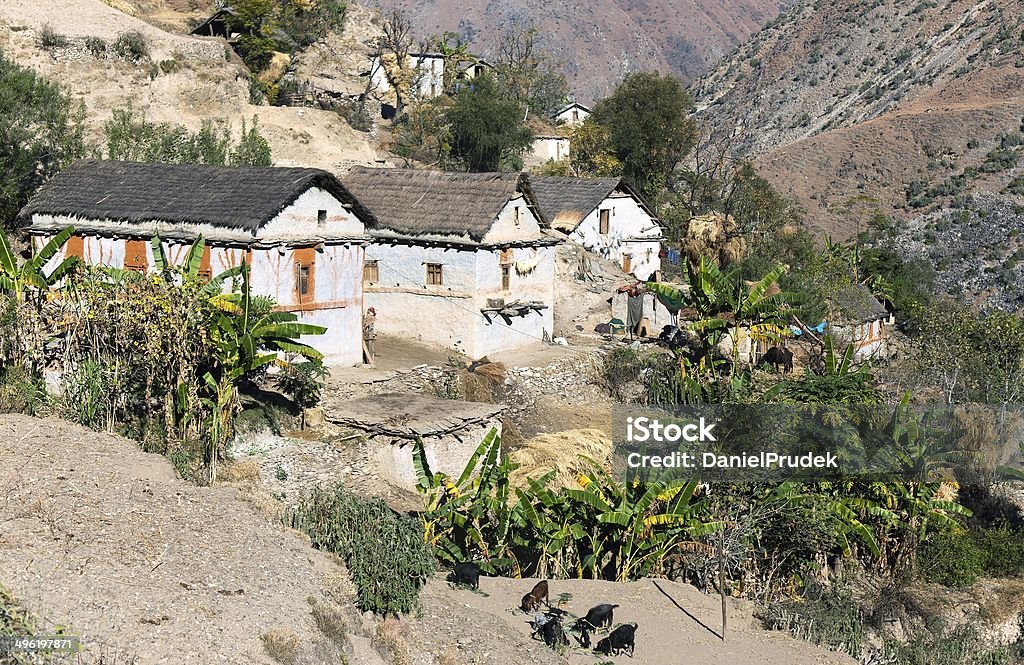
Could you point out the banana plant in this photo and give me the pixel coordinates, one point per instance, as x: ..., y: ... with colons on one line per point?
x: 19, y: 281
x: 246, y: 339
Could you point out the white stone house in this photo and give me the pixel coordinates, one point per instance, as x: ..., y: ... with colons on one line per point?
x: 607, y: 217
x: 301, y: 232
x: 571, y: 114
x: 428, y: 78
x: 550, y: 147
x: 459, y: 260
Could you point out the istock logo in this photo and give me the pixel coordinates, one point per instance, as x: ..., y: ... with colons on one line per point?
x: 643, y: 429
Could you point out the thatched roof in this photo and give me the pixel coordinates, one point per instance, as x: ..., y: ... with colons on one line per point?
x: 856, y: 304
x: 417, y: 203
x: 236, y: 197
x: 567, y: 201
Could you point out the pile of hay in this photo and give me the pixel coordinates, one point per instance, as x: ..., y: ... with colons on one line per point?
x: 563, y: 452
x: 715, y: 236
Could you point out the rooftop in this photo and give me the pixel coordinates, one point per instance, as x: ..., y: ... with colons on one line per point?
x: 234, y: 197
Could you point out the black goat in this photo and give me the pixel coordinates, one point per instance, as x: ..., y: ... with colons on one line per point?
x: 620, y: 640
x: 467, y: 573
x: 599, y: 616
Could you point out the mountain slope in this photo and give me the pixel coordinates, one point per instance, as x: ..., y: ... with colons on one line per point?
x: 873, y: 98
x: 599, y: 42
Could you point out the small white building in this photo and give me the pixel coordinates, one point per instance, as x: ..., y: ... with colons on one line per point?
x: 858, y: 318
x: 548, y: 148
x: 571, y: 114
x: 299, y: 229
x: 607, y: 217
x: 427, y: 79
x: 460, y: 260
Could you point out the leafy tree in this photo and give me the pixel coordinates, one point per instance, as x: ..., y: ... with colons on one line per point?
x: 648, y: 127
x: 423, y: 133
x: 527, y: 72
x: 487, y: 128
x: 393, y: 48
x: 255, y: 21
x: 40, y: 133
x: 589, y: 157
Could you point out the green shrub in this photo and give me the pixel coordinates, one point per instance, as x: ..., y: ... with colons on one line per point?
x: 49, y: 39
x: 131, y: 46
x: 97, y: 46
x: 1001, y: 550
x: 385, y: 552
x: 19, y: 391
x: 827, y: 616
x: 951, y: 559
x: 961, y: 646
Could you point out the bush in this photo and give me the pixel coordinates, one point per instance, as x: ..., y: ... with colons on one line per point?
x: 131, y: 46
x: 97, y: 46
x: 826, y: 616
x: 49, y: 39
x: 951, y: 559
x: 385, y: 552
x: 19, y: 392
x: 1002, y: 551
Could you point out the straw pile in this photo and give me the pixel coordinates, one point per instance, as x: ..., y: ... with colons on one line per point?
x: 563, y: 452
x: 713, y: 235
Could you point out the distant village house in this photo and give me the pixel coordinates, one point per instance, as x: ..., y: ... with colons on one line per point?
x: 571, y: 114
x: 607, y: 217
x: 461, y: 260
x: 859, y: 319
x: 300, y: 230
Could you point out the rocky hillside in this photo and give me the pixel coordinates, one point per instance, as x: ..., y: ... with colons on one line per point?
x: 183, y: 79
x: 599, y: 42
x: 875, y: 98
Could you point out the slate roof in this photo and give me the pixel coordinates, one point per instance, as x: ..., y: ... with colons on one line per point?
x: 567, y: 201
x: 235, y: 197
x: 412, y: 202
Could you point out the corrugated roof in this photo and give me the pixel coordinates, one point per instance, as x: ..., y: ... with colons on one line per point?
x: 236, y: 197
x: 415, y: 203
x: 567, y: 201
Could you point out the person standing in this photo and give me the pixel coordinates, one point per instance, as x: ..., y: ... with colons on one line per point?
x: 369, y: 334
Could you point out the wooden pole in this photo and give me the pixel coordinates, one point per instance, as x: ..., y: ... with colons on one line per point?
x: 721, y: 577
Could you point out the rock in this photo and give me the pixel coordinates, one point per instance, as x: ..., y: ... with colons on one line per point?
x: 313, y: 418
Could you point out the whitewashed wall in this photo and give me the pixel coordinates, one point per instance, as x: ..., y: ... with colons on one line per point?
x: 450, y: 315
x: 628, y: 223
x: 299, y: 220
x: 430, y: 75
x: 567, y: 118
x: 547, y: 148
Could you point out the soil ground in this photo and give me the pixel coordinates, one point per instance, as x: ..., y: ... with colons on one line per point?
x: 676, y: 624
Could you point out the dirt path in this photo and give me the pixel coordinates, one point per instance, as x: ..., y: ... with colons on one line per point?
x: 676, y: 624
x: 102, y: 537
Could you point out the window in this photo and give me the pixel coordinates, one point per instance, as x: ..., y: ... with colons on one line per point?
x: 603, y: 225
x: 321, y: 218
x: 135, y: 255
x: 434, y: 275
x: 371, y: 272
x: 305, y: 285
x: 205, y: 271
x: 506, y: 277
x: 75, y: 246
x: 627, y: 263
x: 515, y: 215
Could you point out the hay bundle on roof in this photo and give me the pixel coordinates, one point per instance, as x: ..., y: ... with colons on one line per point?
x: 714, y: 236
x: 565, y: 452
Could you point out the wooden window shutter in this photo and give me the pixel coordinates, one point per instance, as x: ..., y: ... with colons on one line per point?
x: 205, y: 271
x: 371, y: 271
x: 75, y: 246
x: 603, y: 227
x: 435, y: 276
x: 135, y: 255
x: 305, y: 277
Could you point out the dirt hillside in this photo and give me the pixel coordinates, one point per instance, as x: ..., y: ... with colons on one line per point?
x: 185, y: 80
x: 103, y: 538
x: 850, y: 98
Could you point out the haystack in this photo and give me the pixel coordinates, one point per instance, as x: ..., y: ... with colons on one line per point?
x: 562, y: 451
x: 714, y: 236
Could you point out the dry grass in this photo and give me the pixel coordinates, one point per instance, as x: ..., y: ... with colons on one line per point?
x: 330, y: 621
x: 282, y: 644
x: 564, y: 452
x: 391, y: 642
